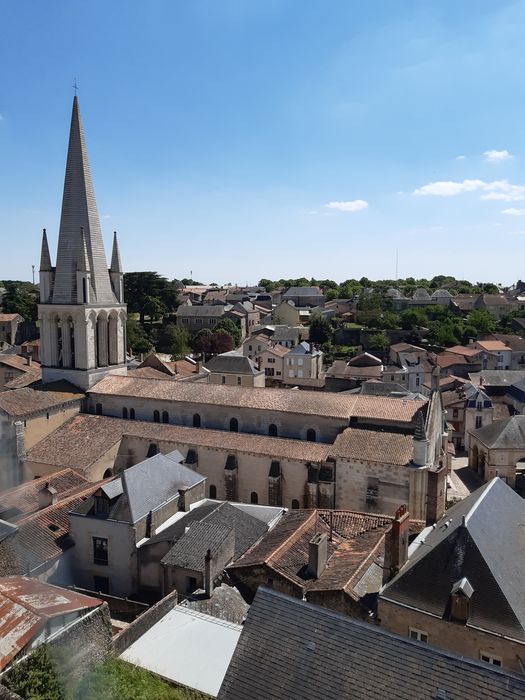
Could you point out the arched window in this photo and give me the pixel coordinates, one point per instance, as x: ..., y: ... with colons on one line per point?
x: 213, y: 491
x: 310, y: 435
x: 196, y: 420
x: 272, y: 430
x: 124, y: 412
x: 234, y: 425
x: 98, y: 409
x: 156, y: 417
x: 152, y: 450
x: 165, y: 417
x: 295, y: 504
x: 132, y: 413
x: 254, y: 498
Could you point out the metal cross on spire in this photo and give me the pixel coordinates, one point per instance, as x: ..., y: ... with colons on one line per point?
x: 75, y: 86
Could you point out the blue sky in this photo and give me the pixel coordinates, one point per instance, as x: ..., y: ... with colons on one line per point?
x: 242, y: 139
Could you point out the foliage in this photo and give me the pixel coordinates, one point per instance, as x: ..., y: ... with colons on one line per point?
x: 202, y: 342
x: 379, y: 342
x: 221, y: 342
x: 20, y: 298
x: 174, y: 340
x: 35, y: 678
x: 226, y: 324
x: 137, y: 338
x: 141, y: 287
x: 320, y: 330
x: 412, y: 318
x: 117, y: 680
x: 154, y: 308
x: 369, y: 308
x: 188, y: 282
x: 482, y: 321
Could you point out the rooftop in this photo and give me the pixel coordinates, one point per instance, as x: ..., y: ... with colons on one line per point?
x: 374, y: 446
x: 503, y: 434
x: 232, y: 363
x: 27, y: 401
x: 292, y: 650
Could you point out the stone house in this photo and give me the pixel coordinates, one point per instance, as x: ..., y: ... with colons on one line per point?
x: 195, y: 318
x: 499, y: 449
x: 304, y: 296
x: 9, y: 327
x: 14, y: 367
x: 234, y: 369
x: 516, y: 346
x: 494, y: 353
x: 348, y: 374
x: 466, y: 408
x: 271, y: 361
x: 288, y: 314
x: 303, y: 362
x: 109, y: 527
x: 31, y: 348
x: 326, y: 557
x: 460, y: 588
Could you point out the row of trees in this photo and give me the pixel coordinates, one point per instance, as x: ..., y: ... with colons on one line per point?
x: 20, y: 298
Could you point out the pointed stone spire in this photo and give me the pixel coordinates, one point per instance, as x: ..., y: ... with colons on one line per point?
x: 83, y: 259
x: 79, y: 210
x: 116, y: 265
x: 420, y: 433
x: 45, y: 258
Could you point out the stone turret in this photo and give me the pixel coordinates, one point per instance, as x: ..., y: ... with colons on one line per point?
x: 46, y: 271
x: 421, y: 443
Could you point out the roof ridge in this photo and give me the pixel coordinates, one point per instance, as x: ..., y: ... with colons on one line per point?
x: 64, y: 502
x: 293, y: 537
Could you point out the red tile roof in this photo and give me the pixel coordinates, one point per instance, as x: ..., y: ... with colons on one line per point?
x: 374, y: 446
x: 26, y: 401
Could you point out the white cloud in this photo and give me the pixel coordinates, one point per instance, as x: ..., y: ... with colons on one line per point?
x: 460, y: 157
x: 353, y: 205
x: 500, y: 190
x: 494, y: 156
x: 514, y: 212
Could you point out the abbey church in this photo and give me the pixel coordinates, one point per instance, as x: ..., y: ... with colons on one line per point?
x: 296, y: 449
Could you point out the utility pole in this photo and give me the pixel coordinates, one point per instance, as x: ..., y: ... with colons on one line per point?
x: 33, y: 270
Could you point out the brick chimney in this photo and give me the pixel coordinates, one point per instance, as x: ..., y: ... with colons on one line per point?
x: 47, y: 496
x: 396, y: 544
x: 317, y: 554
x: 29, y: 360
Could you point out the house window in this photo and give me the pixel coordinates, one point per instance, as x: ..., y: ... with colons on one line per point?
x: 152, y: 450
x: 254, y: 498
x: 101, y: 505
x: 295, y: 504
x: 100, y: 551
x: 311, y: 435
x: 98, y: 409
x: 124, y: 412
x: 455, y: 413
x: 191, y: 584
x: 165, y: 417
x: 196, y: 420
x: 478, y: 421
x: 156, y: 417
x: 417, y: 381
x: 238, y: 381
x: 418, y: 635
x: 234, y: 425
x: 479, y: 406
x: 132, y: 413
x: 223, y: 379
x: 489, y: 658
x: 213, y: 491
x: 249, y: 348
x: 101, y: 584
x: 272, y: 430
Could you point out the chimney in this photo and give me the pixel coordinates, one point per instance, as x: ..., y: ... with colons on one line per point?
x: 317, y: 554
x: 197, y: 367
x: 29, y: 360
x: 47, y: 496
x: 396, y: 544
x: 208, y: 579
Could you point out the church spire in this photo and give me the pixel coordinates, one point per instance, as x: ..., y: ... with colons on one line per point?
x: 45, y: 258
x: 83, y: 260
x: 79, y: 210
x: 116, y: 265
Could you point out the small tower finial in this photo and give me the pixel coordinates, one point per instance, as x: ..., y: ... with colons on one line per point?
x: 420, y: 433
x: 75, y: 86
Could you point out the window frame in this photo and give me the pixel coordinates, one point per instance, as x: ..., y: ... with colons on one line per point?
x: 98, y: 545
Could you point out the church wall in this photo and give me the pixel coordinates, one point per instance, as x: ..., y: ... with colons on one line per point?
x: 41, y: 426
x: 256, y: 421
x: 353, y: 478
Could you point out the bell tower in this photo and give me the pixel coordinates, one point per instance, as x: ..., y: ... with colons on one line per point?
x: 81, y: 312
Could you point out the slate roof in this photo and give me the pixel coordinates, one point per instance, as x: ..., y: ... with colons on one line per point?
x: 190, y: 550
x: 211, y: 310
x: 505, y: 434
x: 480, y: 538
x: 232, y: 363
x: 292, y: 650
x: 380, y: 447
x: 302, y: 292
x: 513, y: 342
x: 497, y: 377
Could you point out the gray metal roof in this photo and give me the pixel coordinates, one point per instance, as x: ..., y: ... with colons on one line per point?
x: 79, y: 210
x: 232, y: 363
x: 292, y: 650
x: 481, y: 539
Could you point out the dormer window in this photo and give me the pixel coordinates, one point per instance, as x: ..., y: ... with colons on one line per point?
x: 101, y: 505
x: 460, y: 596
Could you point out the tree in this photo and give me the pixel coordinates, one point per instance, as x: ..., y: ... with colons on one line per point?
x: 482, y: 321
x: 174, y: 340
x: 203, y: 342
x: 137, y: 338
x: 233, y: 330
x: 36, y: 677
x: 320, y: 330
x: 154, y: 308
x: 221, y: 342
x: 378, y: 341
x: 20, y: 298
x: 138, y: 286
x: 412, y: 318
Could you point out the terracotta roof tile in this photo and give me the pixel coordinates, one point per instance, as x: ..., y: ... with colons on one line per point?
x: 26, y: 401
x: 17, y: 362
x: 9, y: 317
x: 374, y: 446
